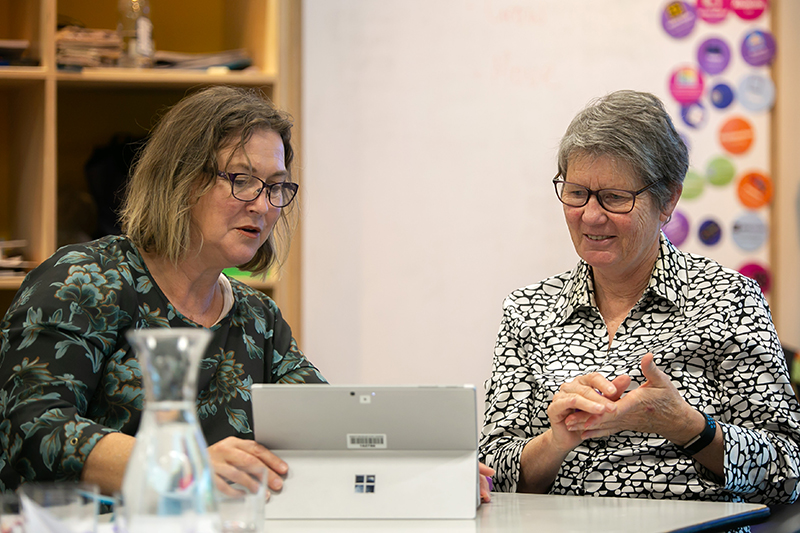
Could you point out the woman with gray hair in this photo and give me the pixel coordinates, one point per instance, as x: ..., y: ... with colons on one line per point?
x: 210, y: 190
x: 645, y: 371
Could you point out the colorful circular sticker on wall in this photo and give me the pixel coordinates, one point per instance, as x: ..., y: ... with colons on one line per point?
x: 677, y: 229
x: 748, y: 9
x: 720, y: 171
x: 721, y: 95
x: 712, y: 11
x: 710, y: 232
x: 758, y: 273
x: 678, y: 19
x: 736, y: 135
x: 749, y: 232
x: 686, y: 85
x: 694, y: 115
x: 758, y: 48
x: 693, y: 185
x: 756, y: 92
x: 713, y: 55
x: 755, y: 190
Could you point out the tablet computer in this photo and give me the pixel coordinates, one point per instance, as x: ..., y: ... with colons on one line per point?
x: 363, y: 451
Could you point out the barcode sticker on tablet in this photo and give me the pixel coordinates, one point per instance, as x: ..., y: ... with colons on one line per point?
x: 362, y: 440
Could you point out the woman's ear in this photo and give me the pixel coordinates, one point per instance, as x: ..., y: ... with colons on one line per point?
x: 666, y: 213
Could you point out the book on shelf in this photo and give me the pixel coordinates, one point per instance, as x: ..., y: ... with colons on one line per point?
x: 233, y: 59
x: 12, y: 265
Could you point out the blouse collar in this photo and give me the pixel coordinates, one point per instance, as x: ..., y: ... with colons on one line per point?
x: 668, y: 281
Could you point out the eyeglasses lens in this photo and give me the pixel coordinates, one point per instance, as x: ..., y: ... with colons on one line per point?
x: 247, y: 188
x: 612, y: 200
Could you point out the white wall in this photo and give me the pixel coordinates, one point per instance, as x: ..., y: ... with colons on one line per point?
x: 430, y: 130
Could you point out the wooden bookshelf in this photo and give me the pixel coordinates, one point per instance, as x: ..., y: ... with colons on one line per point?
x: 51, y: 120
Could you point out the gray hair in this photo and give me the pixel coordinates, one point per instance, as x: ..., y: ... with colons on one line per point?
x: 634, y: 128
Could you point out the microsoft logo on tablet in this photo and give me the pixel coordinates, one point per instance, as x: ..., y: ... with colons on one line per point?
x: 365, y: 483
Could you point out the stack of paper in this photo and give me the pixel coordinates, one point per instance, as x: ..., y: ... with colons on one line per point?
x: 84, y: 47
x: 10, y: 266
x: 233, y: 59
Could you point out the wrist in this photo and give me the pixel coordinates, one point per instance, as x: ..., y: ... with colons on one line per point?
x: 702, y: 439
x: 693, y: 423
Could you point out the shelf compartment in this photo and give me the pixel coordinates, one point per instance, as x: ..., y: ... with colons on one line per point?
x: 123, y: 77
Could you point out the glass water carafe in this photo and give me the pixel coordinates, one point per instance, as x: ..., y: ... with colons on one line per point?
x: 169, y: 482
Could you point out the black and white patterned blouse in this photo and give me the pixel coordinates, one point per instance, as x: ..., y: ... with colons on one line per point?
x: 710, y: 330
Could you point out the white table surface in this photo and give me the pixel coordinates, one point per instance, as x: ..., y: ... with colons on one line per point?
x: 515, y: 513
x: 512, y: 513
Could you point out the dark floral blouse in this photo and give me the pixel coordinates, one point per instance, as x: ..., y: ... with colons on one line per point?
x: 69, y: 376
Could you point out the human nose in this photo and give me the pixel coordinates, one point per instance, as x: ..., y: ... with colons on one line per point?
x: 593, y: 212
x: 261, y: 203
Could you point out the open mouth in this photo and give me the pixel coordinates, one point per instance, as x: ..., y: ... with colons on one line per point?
x: 598, y: 237
x: 250, y: 229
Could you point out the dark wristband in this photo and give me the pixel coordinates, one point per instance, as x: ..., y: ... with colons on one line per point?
x: 703, y: 439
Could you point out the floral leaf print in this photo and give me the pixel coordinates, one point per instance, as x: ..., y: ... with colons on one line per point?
x: 90, y: 292
x: 253, y: 350
x: 73, y: 463
x: 51, y: 443
x: 5, y: 434
x: 226, y: 385
x: 285, y: 362
x: 301, y: 375
x: 29, y: 377
x: 78, y: 388
x: 91, y: 352
x: 73, y: 258
x: 125, y: 272
x: 32, y: 399
x: 47, y: 420
x: 31, y: 327
x: 25, y: 295
x: 72, y: 459
x: 135, y: 263
x: 238, y: 420
x: 206, y: 410
x: 49, y: 447
x: 247, y: 386
x: 123, y: 394
x: 150, y: 318
x: 208, y: 363
x: 143, y: 284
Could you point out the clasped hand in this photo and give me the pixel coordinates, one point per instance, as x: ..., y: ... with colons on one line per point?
x: 591, y: 406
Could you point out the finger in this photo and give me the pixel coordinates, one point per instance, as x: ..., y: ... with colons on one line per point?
x: 596, y: 382
x: 577, y: 419
x: 272, y: 461
x: 232, y: 454
x: 596, y: 433
x: 650, y: 371
x: 238, y: 478
x: 224, y: 487
x: 485, y: 470
x: 485, y: 491
x: 248, y: 454
x: 594, y: 387
x: 565, y: 404
x: 621, y: 384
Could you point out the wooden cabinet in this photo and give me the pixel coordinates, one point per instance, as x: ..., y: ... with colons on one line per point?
x: 51, y: 120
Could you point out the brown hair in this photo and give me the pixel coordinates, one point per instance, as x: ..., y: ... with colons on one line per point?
x: 179, y: 164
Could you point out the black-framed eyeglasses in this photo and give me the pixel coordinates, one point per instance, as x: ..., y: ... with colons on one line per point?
x: 246, y: 188
x: 617, y: 201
